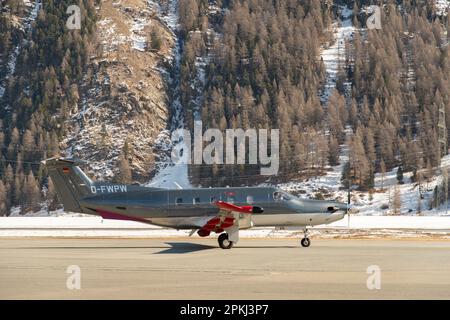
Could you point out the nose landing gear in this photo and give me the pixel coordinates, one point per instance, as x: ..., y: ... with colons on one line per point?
x: 305, y: 242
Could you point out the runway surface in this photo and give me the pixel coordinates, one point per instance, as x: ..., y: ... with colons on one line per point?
x: 189, y: 268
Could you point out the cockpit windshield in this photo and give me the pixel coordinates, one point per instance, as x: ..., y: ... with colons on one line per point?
x: 281, y: 196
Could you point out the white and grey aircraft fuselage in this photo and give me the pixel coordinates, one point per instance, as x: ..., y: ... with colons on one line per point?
x: 205, y: 210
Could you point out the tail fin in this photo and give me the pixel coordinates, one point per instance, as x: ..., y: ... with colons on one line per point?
x: 71, y: 183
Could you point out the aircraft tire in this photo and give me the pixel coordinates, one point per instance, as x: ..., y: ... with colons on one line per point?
x: 224, y: 243
x: 305, y: 242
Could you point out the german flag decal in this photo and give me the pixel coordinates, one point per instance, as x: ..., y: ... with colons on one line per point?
x: 66, y: 170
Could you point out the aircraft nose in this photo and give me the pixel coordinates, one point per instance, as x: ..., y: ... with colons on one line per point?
x: 256, y: 209
x: 332, y: 209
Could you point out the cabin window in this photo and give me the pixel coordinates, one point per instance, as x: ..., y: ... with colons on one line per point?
x: 249, y: 199
x: 179, y: 201
x: 196, y: 200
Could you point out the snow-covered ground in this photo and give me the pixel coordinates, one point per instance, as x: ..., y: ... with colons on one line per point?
x: 108, y: 31
x: 167, y: 12
x: 135, y: 34
x: 399, y: 226
x: 138, y: 35
x: 409, y: 194
x: 169, y: 174
x: 442, y: 7
x: 329, y: 183
x: 330, y: 186
x: 334, y: 56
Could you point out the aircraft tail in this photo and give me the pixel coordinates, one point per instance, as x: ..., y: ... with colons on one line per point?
x: 71, y: 183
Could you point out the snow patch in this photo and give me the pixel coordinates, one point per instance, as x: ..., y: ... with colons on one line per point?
x: 330, y: 187
x: 169, y: 174
x: 334, y: 56
x: 26, y: 28
x: 93, y: 226
x: 442, y: 7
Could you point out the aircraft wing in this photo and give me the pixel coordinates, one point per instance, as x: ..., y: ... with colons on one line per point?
x: 241, y: 209
x: 228, y: 217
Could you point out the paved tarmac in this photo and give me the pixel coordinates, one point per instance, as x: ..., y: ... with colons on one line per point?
x: 192, y: 268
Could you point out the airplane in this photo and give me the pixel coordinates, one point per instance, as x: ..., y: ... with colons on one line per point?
x: 224, y: 211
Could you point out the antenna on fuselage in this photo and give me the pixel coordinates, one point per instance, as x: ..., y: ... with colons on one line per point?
x: 178, y: 186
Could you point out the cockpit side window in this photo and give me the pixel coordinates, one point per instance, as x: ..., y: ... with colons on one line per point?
x: 279, y: 196
x: 286, y: 196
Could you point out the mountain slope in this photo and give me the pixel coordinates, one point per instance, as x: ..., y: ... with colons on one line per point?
x: 123, y: 103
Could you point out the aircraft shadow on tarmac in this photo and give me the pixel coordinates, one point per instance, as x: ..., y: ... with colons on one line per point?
x: 175, y: 247
x: 189, y: 247
x: 184, y: 247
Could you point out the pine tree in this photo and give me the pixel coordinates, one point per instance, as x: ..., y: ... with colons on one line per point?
x: 45, y: 82
x: 400, y: 175
x: 9, y: 175
x: 333, y: 148
x: 51, y: 196
x: 397, y: 201
x: 419, y: 204
x: 124, y: 175
x: 358, y: 161
x: 382, y: 172
x: 3, y: 199
x: 31, y: 194
x: 155, y: 40
x: 346, y: 175
x: 17, y: 190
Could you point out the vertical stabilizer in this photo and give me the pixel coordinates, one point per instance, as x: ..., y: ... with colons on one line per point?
x: 71, y: 183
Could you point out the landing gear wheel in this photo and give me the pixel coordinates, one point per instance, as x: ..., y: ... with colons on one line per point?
x: 305, y: 242
x: 224, y: 243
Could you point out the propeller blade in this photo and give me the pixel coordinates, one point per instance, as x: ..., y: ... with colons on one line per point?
x: 348, y: 206
x: 348, y: 219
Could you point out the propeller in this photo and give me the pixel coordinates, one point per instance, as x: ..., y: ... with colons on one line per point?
x: 349, y: 198
x: 348, y: 207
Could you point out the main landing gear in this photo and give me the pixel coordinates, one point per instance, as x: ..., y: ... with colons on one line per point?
x: 224, y: 243
x: 305, y: 242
